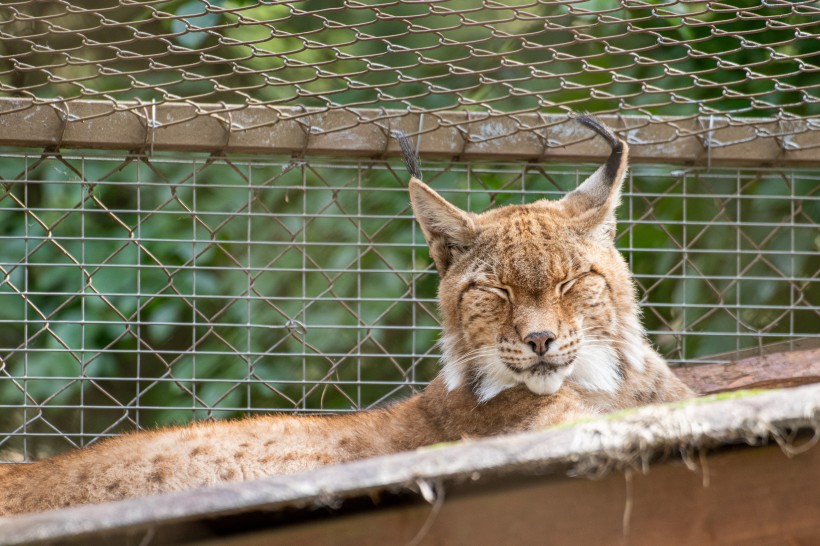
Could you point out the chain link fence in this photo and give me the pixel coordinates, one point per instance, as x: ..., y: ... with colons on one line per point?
x: 691, y: 81
x: 187, y: 231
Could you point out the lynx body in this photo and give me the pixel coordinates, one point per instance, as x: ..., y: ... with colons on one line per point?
x: 540, y: 325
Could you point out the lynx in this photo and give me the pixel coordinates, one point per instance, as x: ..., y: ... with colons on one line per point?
x: 540, y: 325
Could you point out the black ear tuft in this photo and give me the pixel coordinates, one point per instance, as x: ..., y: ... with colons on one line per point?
x: 597, y: 197
x: 616, y: 157
x: 411, y: 157
x: 593, y: 123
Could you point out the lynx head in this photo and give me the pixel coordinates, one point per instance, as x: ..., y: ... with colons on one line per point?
x: 534, y: 294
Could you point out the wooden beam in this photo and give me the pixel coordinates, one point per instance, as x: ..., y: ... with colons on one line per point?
x: 778, y: 370
x: 765, y: 493
x: 246, y: 128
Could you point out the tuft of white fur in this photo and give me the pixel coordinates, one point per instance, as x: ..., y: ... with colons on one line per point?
x: 494, y: 377
x: 451, y: 371
x: 633, y: 348
x: 548, y: 383
x: 596, y: 368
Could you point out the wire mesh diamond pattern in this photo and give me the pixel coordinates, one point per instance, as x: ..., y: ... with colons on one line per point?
x: 150, y: 290
x: 686, y: 67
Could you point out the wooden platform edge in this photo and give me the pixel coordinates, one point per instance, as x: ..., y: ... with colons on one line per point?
x: 746, y: 496
x: 624, y: 442
x: 778, y: 370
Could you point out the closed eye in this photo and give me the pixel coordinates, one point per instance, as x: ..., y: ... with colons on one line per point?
x: 499, y: 291
x: 567, y: 285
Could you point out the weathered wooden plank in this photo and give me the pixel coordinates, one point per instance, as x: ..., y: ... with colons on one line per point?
x: 767, y: 371
x: 366, y: 133
x: 627, y: 440
x: 753, y: 496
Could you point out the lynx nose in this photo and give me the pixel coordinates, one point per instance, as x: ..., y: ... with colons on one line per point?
x: 540, y: 341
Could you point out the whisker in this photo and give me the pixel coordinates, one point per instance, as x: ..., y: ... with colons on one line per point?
x: 605, y: 343
x: 609, y: 339
x: 477, y: 351
x: 587, y: 329
x: 474, y: 355
x: 470, y: 358
x: 480, y: 349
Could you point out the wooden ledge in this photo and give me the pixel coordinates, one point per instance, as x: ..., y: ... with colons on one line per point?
x: 765, y: 495
x: 777, y: 370
x: 259, y: 129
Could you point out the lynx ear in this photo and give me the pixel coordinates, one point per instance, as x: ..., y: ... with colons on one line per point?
x: 448, y: 230
x: 595, y: 200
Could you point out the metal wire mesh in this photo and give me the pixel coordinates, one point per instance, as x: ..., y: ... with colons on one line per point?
x: 149, y: 290
x: 736, y: 76
x: 151, y: 286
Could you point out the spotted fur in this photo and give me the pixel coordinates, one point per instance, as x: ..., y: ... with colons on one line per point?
x: 547, y: 268
x: 543, y: 273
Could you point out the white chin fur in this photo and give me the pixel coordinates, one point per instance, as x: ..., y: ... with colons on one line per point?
x: 549, y: 383
x: 595, y: 368
x: 496, y: 377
